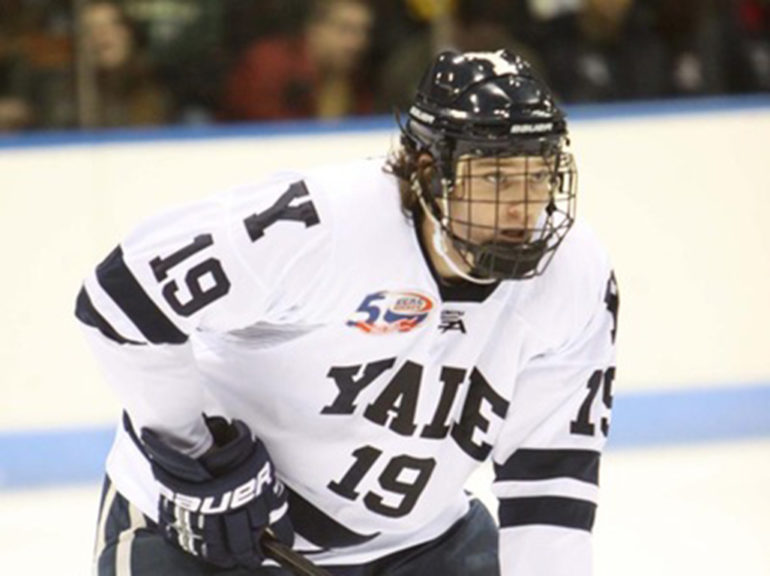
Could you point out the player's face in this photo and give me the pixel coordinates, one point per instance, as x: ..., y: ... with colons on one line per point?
x: 500, y: 199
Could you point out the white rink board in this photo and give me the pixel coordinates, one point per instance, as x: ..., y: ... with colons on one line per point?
x: 681, y: 202
x: 680, y: 511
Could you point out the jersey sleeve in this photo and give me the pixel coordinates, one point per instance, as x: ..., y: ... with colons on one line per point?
x: 546, y: 461
x: 215, y: 265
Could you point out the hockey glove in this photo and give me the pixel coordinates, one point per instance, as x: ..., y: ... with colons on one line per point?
x: 217, y: 506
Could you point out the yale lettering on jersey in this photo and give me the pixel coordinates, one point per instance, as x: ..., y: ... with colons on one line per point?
x: 395, y: 407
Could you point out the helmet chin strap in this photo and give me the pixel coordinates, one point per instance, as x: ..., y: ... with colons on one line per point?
x: 440, y: 237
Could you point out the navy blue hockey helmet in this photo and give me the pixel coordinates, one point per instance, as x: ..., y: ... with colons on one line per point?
x: 492, y: 105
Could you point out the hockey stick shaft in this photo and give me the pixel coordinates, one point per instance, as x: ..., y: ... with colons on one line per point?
x: 288, y: 558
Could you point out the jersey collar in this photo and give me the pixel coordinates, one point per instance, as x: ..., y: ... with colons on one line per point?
x: 461, y: 291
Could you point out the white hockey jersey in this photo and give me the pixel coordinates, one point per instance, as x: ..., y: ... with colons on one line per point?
x: 306, y: 306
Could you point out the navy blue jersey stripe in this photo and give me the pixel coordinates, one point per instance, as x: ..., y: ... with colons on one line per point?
x: 89, y: 315
x: 531, y: 464
x: 118, y: 281
x: 549, y: 510
x: 319, y: 528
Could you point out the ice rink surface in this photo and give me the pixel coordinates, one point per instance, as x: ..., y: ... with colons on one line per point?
x: 691, y: 510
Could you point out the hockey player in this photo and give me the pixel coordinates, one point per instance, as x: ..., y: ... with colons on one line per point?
x: 329, y: 355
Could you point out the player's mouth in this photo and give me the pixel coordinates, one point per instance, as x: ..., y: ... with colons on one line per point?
x: 513, y: 235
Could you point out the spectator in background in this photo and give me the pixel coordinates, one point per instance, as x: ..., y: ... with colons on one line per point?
x: 605, y: 50
x: 188, y: 43
x: 320, y: 72
x: 748, y: 44
x: 16, y: 112
x: 246, y: 21
x: 126, y: 91
x: 694, y: 33
x: 36, y: 73
x: 599, y: 50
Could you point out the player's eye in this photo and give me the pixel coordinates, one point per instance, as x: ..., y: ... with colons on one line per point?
x: 497, y: 178
x: 539, y: 176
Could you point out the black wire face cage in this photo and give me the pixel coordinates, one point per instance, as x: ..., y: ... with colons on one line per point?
x: 507, y: 214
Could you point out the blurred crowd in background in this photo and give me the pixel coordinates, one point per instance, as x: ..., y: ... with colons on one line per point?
x: 114, y: 63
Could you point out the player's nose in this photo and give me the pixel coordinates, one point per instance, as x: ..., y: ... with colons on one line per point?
x: 514, y: 212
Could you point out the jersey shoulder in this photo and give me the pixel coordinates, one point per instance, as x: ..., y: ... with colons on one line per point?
x: 254, y: 253
x: 581, y: 258
x: 572, y: 290
x: 355, y: 188
x: 306, y: 228
x: 361, y: 202
x: 220, y: 263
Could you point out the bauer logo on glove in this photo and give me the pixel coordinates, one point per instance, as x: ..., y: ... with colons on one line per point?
x: 229, y: 500
x: 217, y: 506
